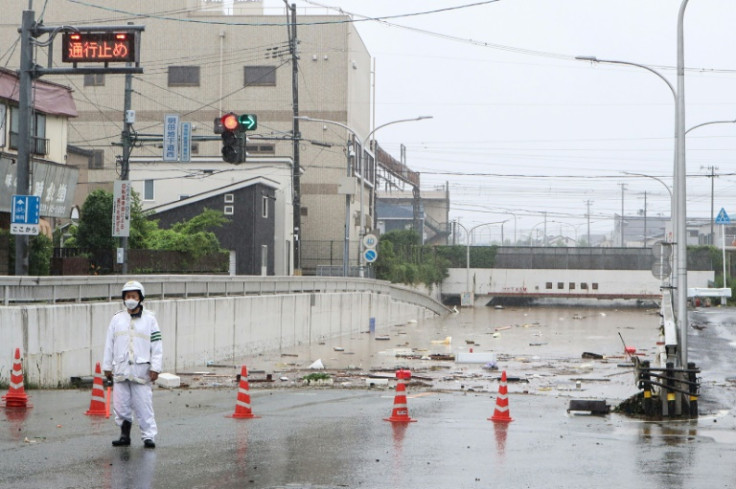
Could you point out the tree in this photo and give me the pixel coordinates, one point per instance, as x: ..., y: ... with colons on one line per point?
x: 402, y: 259
x: 192, y: 236
x: 95, y: 223
x: 40, y: 251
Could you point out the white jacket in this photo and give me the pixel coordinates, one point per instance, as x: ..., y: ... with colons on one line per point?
x: 133, y: 347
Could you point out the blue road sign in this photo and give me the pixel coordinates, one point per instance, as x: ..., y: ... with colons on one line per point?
x: 722, y: 217
x: 370, y: 255
x: 26, y: 209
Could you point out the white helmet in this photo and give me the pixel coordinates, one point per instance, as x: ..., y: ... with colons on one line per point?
x: 134, y: 285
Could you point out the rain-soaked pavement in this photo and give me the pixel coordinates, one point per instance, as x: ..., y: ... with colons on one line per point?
x: 335, y: 436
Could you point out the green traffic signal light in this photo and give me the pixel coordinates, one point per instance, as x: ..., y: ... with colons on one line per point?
x: 248, y: 122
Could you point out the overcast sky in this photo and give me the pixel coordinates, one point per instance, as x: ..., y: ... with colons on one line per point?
x: 519, y: 124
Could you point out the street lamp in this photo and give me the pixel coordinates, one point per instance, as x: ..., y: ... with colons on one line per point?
x: 468, y: 237
x: 679, y: 207
x: 506, y: 211
x: 362, y: 180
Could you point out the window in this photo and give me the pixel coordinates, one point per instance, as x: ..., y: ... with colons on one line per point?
x: 595, y: 285
x: 584, y: 286
x: 260, y: 149
x: 264, y: 205
x: 304, y: 211
x: 183, y: 76
x: 148, y: 190
x: 259, y: 76
x: 549, y: 285
x: 229, y: 198
x: 228, y: 210
x: 94, y: 80
x: 560, y: 285
x: 572, y: 285
x: 97, y: 160
x: 39, y: 143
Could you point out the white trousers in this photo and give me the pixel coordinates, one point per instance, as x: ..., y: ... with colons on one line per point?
x: 131, y: 398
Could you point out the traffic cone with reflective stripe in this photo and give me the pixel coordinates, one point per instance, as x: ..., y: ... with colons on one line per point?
x: 501, y: 414
x: 97, y: 405
x: 16, y: 396
x: 242, y: 405
x: 400, y: 413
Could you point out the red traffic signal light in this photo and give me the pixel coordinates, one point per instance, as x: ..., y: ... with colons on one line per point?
x: 230, y: 122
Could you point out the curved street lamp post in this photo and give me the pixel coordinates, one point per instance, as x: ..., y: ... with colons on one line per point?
x: 361, y: 165
x: 679, y: 205
x: 467, y: 298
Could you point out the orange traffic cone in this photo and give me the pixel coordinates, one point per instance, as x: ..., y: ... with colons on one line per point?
x: 501, y: 414
x: 242, y: 405
x: 16, y: 396
x: 400, y: 413
x: 97, y: 405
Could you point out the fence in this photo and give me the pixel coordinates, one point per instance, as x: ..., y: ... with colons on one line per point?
x: 81, y: 261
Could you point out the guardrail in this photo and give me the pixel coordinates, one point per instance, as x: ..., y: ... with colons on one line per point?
x: 52, y: 290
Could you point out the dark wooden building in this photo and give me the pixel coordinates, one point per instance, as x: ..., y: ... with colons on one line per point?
x: 249, y: 234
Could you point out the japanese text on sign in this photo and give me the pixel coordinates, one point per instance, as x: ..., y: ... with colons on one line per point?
x: 121, y: 208
x: 171, y: 137
x: 25, y: 229
x: 102, y: 47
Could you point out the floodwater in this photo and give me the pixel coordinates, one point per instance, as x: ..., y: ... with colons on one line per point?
x: 336, y: 436
x: 543, y: 346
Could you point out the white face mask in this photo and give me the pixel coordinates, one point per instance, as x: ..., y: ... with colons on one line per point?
x: 131, y: 303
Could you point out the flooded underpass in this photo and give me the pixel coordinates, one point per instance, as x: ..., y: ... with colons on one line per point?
x: 334, y: 435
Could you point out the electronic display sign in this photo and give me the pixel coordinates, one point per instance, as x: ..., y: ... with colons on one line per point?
x: 100, y: 47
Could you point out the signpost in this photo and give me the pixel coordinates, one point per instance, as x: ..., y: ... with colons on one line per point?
x: 121, y: 208
x: 186, y: 141
x: 370, y: 254
x: 25, y: 216
x: 171, y: 137
x: 723, y: 219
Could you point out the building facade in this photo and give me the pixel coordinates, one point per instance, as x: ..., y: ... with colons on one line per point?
x: 202, y: 59
x: 50, y: 178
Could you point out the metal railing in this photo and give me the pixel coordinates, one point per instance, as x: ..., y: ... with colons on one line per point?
x: 52, y: 290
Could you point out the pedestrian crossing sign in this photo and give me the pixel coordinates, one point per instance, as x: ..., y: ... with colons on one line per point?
x: 722, y: 217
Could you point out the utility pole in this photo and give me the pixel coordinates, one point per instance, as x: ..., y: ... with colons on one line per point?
x: 125, y: 140
x: 25, y: 110
x: 545, y: 230
x: 645, y: 219
x: 296, y: 136
x: 623, y: 187
x: 588, y: 203
x: 712, y: 176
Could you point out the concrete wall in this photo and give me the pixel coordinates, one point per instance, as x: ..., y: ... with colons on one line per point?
x: 61, y: 341
x: 497, y: 281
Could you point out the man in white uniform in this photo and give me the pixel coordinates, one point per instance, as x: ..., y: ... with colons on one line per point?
x: 133, y: 357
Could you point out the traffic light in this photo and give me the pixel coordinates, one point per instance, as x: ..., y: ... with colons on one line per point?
x: 232, y: 127
x: 233, y: 147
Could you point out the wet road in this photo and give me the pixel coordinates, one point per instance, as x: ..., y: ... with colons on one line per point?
x: 336, y: 437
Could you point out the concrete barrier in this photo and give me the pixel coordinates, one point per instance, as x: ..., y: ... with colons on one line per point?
x: 59, y: 341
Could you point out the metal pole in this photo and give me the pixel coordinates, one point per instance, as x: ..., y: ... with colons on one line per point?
x: 723, y: 246
x: 346, y: 244
x: 645, y: 219
x: 681, y: 192
x: 25, y: 109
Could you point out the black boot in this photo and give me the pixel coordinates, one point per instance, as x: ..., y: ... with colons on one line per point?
x: 124, y: 440
x: 148, y: 443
